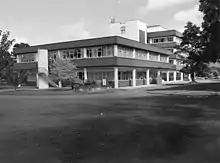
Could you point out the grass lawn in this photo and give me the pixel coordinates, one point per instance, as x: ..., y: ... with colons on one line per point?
x: 171, y: 124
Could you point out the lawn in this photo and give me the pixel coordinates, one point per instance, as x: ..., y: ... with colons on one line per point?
x: 171, y: 124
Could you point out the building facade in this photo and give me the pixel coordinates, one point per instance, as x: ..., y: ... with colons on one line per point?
x: 124, y: 59
x: 167, y: 39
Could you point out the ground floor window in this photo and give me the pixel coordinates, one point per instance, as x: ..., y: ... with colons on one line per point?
x: 171, y: 77
x: 124, y: 75
x: 141, y: 75
x: 81, y: 75
x: 99, y: 75
x: 178, y: 76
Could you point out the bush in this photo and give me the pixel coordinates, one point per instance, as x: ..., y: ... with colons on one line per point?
x: 153, y: 81
x: 216, y: 74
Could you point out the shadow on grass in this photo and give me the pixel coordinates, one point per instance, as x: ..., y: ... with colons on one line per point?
x: 159, y: 133
x: 160, y: 129
x: 117, y: 139
x: 193, y: 87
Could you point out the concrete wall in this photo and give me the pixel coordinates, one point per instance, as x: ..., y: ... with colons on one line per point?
x: 140, y: 82
x: 42, y: 65
x: 125, y: 83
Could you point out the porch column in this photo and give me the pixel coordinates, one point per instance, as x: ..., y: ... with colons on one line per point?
x: 168, y: 59
x: 18, y: 58
x: 115, y: 50
x: 134, y: 77
x: 133, y: 53
x: 158, y: 73
x: 174, y: 76
x: 37, y: 80
x: 85, y: 74
x: 181, y: 76
x: 148, y: 55
x: 159, y: 57
x: 84, y: 53
x: 60, y: 84
x: 58, y: 54
x: 116, y: 77
x: 168, y: 76
x: 189, y: 76
x: 148, y: 77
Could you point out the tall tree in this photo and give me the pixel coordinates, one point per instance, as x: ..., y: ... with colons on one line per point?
x: 5, y: 45
x: 191, y: 45
x: 14, y: 77
x: 211, y: 29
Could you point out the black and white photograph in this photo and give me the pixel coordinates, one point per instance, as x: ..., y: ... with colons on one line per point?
x: 110, y: 81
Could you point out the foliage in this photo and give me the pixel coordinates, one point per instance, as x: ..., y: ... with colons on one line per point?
x: 16, y: 77
x: 21, y: 45
x: 191, y: 45
x: 216, y: 73
x: 6, y: 58
x: 61, y: 70
x: 211, y: 29
x: 203, y: 70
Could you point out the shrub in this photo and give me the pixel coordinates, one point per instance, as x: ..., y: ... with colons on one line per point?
x: 215, y: 74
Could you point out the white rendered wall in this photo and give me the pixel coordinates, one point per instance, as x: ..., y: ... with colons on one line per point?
x: 142, y: 26
x: 42, y: 65
x: 131, y: 29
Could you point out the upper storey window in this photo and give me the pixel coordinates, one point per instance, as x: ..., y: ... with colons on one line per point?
x: 163, y: 40
x: 123, y: 29
x: 153, y: 56
x: 26, y: 58
x: 53, y: 55
x: 102, y: 51
x: 141, y: 54
x: 170, y: 39
x: 72, y: 54
x: 125, y: 52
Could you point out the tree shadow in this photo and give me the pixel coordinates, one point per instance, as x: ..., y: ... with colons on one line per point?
x: 162, y: 129
x: 159, y: 132
x: 118, y: 139
x: 192, y: 87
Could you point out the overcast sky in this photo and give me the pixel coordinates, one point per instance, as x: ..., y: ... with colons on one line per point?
x: 44, y: 21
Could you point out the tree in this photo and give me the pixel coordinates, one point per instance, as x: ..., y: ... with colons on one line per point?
x: 62, y: 70
x: 14, y: 77
x: 6, y: 58
x: 211, y: 29
x: 191, y: 45
x: 21, y: 45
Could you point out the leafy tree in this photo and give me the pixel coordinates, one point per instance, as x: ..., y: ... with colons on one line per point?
x: 14, y: 77
x: 21, y: 45
x: 211, y: 29
x: 6, y: 58
x: 191, y: 45
x: 63, y: 70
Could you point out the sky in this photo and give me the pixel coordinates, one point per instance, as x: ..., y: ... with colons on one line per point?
x: 46, y: 21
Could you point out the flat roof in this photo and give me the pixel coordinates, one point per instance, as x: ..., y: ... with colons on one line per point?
x: 112, y: 40
x: 164, y: 33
